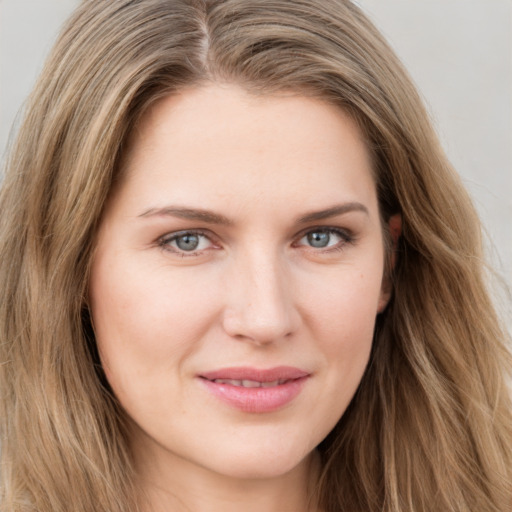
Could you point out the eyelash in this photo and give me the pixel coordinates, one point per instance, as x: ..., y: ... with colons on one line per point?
x: 346, y: 237
x: 165, y: 241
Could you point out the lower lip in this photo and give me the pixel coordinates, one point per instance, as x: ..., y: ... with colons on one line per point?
x: 256, y: 400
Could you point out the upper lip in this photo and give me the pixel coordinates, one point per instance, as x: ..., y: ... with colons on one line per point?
x: 256, y: 374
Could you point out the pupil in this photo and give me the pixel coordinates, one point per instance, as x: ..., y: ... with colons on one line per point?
x: 187, y: 242
x: 318, y: 239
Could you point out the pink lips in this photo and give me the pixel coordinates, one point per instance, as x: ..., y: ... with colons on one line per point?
x: 255, y: 390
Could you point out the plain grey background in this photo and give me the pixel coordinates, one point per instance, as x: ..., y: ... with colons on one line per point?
x: 459, y: 52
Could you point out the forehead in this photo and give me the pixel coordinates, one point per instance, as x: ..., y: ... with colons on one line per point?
x: 220, y: 142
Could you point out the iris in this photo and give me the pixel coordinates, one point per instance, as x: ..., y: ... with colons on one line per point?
x: 319, y: 239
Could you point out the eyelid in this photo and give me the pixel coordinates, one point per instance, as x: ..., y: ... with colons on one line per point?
x: 164, y: 241
x: 347, y: 236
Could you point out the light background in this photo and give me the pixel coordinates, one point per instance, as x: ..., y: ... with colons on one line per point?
x: 459, y: 52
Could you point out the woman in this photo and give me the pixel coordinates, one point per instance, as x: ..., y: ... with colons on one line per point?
x: 238, y: 272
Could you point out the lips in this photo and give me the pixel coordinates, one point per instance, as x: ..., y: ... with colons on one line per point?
x: 250, y: 383
x: 255, y: 390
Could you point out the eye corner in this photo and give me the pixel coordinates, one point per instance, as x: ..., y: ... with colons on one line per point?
x: 320, y: 238
x: 187, y: 243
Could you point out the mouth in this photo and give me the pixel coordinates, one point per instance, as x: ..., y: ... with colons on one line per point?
x: 240, y: 374
x: 250, y: 383
x: 254, y: 390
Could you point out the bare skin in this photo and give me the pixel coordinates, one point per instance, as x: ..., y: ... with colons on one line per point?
x: 244, y: 234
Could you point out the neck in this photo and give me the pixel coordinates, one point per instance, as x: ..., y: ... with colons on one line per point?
x: 182, y: 486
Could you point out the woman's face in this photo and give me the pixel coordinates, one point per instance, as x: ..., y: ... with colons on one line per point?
x: 237, y: 278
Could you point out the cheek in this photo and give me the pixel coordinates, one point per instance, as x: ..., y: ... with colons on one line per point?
x: 341, y: 316
x: 146, y: 322
x: 344, y: 306
x: 346, y: 347
x: 339, y: 313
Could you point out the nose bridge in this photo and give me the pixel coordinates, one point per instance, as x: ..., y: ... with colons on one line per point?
x: 260, y: 305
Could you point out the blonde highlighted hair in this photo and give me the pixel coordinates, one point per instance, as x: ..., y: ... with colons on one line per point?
x: 430, y: 427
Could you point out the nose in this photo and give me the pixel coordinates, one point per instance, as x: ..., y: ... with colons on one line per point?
x: 260, y: 308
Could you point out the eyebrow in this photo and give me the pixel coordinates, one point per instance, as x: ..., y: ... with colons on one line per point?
x: 199, y: 214
x: 333, y: 211
x: 189, y: 214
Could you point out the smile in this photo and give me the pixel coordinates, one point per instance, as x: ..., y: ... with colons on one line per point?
x: 252, y: 390
x: 251, y: 383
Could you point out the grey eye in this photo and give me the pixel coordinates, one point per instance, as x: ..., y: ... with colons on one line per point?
x: 319, y: 239
x: 187, y: 242
x: 324, y: 238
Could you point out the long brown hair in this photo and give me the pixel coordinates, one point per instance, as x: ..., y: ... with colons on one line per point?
x: 430, y: 427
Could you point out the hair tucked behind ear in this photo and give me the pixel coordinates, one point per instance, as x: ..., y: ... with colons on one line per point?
x: 430, y: 427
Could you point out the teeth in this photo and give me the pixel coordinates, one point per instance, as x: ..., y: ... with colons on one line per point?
x: 270, y: 384
x: 228, y: 381
x: 250, y: 383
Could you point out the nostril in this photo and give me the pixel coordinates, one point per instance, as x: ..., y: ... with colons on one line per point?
x: 260, y: 330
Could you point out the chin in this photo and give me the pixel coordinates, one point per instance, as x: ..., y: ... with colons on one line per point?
x: 261, y: 464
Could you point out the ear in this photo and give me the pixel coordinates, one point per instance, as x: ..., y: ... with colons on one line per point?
x: 395, y: 230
